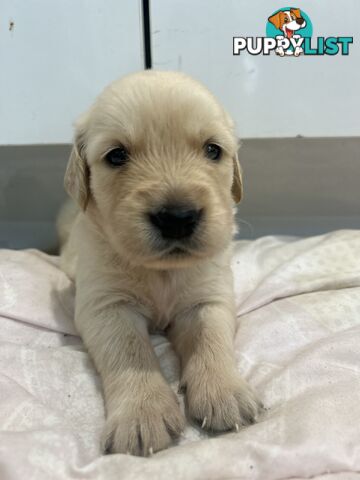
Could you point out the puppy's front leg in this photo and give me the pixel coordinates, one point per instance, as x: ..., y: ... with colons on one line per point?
x: 143, y: 414
x: 217, y: 397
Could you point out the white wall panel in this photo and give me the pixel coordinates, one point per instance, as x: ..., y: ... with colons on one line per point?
x: 268, y: 96
x: 56, y: 56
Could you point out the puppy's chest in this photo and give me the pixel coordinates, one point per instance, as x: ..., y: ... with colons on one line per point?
x: 164, y: 294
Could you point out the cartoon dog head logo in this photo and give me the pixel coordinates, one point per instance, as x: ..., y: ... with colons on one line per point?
x: 290, y: 24
x: 288, y: 21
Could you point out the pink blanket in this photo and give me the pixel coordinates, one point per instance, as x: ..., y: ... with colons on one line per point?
x: 298, y: 344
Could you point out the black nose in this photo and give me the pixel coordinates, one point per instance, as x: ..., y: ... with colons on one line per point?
x: 176, y: 221
x: 300, y: 21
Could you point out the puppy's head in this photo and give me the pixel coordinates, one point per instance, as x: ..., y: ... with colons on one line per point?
x: 154, y: 164
x: 288, y: 21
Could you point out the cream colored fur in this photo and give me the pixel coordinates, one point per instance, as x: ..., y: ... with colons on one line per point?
x: 126, y: 280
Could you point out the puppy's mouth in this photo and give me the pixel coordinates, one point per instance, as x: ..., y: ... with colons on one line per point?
x: 181, y: 251
x: 289, y: 33
x: 177, y: 251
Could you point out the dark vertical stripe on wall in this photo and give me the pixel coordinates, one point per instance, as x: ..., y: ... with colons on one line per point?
x: 147, y: 33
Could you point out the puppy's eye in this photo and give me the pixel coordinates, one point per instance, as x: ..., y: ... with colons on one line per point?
x: 117, y: 157
x: 213, y: 151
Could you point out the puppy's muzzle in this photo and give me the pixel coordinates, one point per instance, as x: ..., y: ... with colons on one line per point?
x: 175, y: 221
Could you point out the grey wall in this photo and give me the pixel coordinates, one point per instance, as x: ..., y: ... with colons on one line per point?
x: 300, y: 186
x: 295, y: 186
x: 31, y: 191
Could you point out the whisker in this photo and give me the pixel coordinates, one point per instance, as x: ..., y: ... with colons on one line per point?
x: 248, y: 224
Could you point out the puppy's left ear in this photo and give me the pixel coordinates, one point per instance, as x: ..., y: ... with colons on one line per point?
x: 77, y: 175
x: 296, y: 12
x: 237, y: 186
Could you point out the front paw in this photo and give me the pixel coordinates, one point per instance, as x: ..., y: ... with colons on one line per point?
x: 144, y: 421
x: 220, y: 401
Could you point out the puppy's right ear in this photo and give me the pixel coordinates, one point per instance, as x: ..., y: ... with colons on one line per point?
x: 276, y: 20
x: 77, y: 175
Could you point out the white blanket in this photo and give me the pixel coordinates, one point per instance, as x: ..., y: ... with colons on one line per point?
x: 297, y: 343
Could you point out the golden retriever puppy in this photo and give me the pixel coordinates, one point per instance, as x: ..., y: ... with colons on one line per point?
x: 155, y: 173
